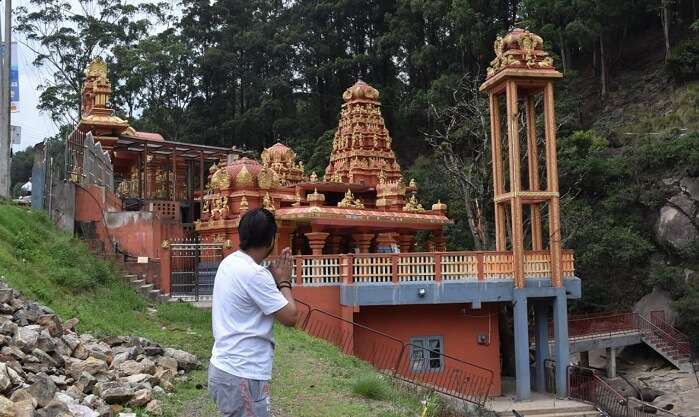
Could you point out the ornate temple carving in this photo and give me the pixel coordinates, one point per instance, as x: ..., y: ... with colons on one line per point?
x: 350, y: 202
x: 243, y: 204
x: 219, y: 180
x: 282, y: 161
x: 412, y: 205
x: 519, y: 49
x: 362, y: 145
x: 267, y: 203
x: 243, y: 179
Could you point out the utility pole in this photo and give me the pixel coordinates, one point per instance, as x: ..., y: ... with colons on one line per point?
x: 5, y: 138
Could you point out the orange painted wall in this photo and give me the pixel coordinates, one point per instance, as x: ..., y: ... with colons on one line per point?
x: 459, y: 331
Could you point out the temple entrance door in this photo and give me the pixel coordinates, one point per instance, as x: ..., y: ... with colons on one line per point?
x: 193, y: 266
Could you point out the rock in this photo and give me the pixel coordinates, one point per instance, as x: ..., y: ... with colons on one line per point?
x: 44, y: 357
x: 24, y: 409
x: 71, y: 340
x: 141, y: 398
x: 168, y: 363
x: 52, y: 323
x: 26, y: 338
x: 46, y: 342
x: 54, y: 408
x: 130, y: 367
x: 185, y: 360
x: 5, y: 381
x: 28, y: 314
x: 80, y: 352
x: 673, y: 227
x: 13, y: 351
x: 90, y: 365
x: 43, y: 390
x: 153, y: 408
x: 104, y: 411
x: 6, y: 295
x: 7, y: 407
x: 22, y: 395
x: 8, y: 328
x: 657, y: 300
x: 113, y: 392
x: 86, y: 382
x: 138, y: 378
x: 70, y: 324
x: 99, y: 350
x: 158, y: 390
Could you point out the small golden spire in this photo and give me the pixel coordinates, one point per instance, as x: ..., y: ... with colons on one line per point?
x: 413, y: 184
x: 314, y: 177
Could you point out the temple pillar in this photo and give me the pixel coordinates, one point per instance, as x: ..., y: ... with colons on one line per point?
x: 334, y: 243
x: 541, y: 313
x: 521, y: 330
x: 283, y: 239
x: 316, y: 240
x: 560, y: 327
x: 440, y: 241
x: 385, y: 240
x: 405, y: 242
x: 363, y: 241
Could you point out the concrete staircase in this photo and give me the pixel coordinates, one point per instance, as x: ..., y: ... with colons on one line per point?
x: 668, y: 351
x: 566, y: 411
x: 147, y: 290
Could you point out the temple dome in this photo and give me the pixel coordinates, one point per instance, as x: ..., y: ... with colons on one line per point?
x: 361, y: 91
x: 281, y: 160
x: 242, y: 173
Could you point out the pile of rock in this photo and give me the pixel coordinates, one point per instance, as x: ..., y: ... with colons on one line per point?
x: 49, y: 370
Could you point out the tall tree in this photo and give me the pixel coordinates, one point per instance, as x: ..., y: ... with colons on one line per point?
x: 65, y: 38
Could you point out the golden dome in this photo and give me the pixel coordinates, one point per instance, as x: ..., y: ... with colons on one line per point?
x: 243, y: 172
x: 281, y: 161
x: 278, y: 153
x: 361, y: 91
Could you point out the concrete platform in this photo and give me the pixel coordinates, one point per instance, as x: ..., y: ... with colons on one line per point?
x: 539, y: 403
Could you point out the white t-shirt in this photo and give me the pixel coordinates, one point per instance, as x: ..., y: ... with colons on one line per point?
x: 245, y: 297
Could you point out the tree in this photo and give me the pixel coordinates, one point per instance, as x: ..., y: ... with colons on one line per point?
x: 462, y: 142
x: 65, y: 39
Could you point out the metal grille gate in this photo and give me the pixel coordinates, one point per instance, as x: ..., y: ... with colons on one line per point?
x: 193, y: 266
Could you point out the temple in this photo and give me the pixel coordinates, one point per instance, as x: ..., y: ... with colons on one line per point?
x: 352, y: 228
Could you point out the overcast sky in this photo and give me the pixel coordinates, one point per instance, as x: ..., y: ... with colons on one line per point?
x: 35, y: 125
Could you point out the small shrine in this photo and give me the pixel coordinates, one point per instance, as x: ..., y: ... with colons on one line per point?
x: 362, y: 203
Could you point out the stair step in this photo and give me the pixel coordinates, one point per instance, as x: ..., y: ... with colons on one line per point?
x: 581, y: 411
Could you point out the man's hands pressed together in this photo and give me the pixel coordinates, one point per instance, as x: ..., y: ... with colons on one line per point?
x: 280, y: 267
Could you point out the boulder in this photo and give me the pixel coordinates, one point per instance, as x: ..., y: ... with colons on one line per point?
x: 6, y: 295
x: 5, y: 380
x: 185, y: 360
x: 113, y: 392
x: 7, y: 407
x: 54, y: 408
x: 22, y: 395
x: 153, y: 408
x: 52, y: 323
x: 42, y: 390
x: 141, y: 398
x: 26, y: 338
x: 673, y: 226
x: 24, y: 409
x: 8, y: 328
x: 168, y: 363
x: 86, y: 382
x: 70, y: 324
x: 90, y: 365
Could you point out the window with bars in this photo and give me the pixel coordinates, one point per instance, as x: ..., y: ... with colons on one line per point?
x: 426, y: 353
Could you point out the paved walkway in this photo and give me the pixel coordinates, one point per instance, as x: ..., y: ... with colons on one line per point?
x: 538, y: 402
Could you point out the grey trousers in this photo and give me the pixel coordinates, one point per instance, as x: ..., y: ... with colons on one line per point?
x: 238, y: 397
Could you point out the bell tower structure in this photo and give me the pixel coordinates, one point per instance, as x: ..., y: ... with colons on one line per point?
x: 519, y: 81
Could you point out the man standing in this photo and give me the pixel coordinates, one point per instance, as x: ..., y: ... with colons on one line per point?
x: 247, y: 299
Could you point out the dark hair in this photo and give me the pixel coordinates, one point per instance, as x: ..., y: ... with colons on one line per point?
x: 257, y: 229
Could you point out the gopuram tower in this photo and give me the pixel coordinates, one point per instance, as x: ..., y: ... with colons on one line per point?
x: 362, y: 144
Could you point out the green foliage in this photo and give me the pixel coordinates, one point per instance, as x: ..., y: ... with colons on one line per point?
x: 372, y: 387
x: 683, y: 63
x: 21, y: 169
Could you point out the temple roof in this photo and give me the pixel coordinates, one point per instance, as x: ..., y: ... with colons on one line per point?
x: 362, y: 145
x: 348, y: 217
x: 520, y: 49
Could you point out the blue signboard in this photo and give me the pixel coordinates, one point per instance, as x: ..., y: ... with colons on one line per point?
x: 14, y: 79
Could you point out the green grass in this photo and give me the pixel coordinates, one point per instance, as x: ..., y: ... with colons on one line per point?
x: 311, y: 377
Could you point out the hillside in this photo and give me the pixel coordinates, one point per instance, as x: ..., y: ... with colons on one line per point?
x: 311, y: 379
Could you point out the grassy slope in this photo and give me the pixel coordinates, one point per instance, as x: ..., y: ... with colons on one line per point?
x: 311, y: 378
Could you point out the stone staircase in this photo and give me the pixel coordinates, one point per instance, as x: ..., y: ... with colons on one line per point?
x: 566, y: 411
x: 149, y: 291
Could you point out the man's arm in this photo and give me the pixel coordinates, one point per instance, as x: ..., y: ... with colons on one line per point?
x: 281, y: 271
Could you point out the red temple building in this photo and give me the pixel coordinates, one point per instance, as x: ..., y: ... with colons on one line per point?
x: 352, y: 228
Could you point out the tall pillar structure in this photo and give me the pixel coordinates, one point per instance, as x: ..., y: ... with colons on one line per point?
x: 521, y: 74
x: 519, y: 81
